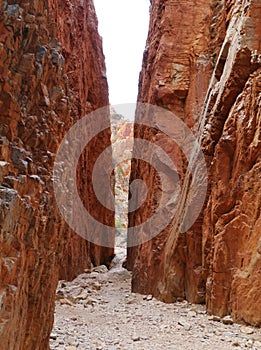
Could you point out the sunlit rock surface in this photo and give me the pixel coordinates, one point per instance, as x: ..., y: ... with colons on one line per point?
x: 203, y: 63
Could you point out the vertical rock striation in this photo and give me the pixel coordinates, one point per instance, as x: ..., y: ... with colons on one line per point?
x: 52, y: 73
x: 84, y: 66
x: 203, y: 63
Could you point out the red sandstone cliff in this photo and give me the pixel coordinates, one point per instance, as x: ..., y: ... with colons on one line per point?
x: 51, y: 73
x: 203, y: 63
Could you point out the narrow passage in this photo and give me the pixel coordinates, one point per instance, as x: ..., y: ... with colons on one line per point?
x: 98, y: 311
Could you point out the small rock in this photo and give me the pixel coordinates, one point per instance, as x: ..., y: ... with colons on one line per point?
x: 59, y: 295
x: 100, y: 269
x: 69, y: 329
x: 93, y: 275
x: 144, y: 337
x: 66, y: 302
x: 227, y: 320
x: 192, y: 314
x: 92, y: 301
x: 71, y: 341
x: 209, y: 335
x: 257, y: 344
x: 246, y: 330
x: 214, y: 318
x: 149, y: 297
x: 82, y: 296
x: 249, y: 343
x: 131, y: 301
x: 124, y: 263
x: 202, y: 312
x: 136, y: 338
x: 53, y: 336
x: 179, y: 299
x: 184, y: 324
x: 236, y: 343
x: 96, y: 286
x: 229, y: 335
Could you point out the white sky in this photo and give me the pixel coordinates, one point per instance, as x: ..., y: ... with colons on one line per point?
x: 123, y: 24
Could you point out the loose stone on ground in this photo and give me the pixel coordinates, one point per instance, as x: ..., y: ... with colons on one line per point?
x: 97, y: 311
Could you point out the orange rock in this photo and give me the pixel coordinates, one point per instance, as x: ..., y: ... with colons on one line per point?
x: 46, y: 84
x: 210, y: 78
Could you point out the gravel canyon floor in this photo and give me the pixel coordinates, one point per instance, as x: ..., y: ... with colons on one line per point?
x: 97, y: 311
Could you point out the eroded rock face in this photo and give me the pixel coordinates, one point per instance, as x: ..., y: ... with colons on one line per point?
x: 51, y: 74
x: 210, y: 78
x: 122, y: 145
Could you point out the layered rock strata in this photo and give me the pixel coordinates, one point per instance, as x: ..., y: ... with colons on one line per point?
x: 203, y: 64
x: 52, y: 73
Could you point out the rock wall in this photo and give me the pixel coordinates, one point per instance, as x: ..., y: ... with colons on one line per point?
x: 52, y: 73
x: 122, y: 144
x: 84, y: 66
x: 210, y: 78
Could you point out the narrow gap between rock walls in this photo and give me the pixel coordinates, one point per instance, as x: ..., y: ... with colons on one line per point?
x: 122, y: 145
x: 123, y: 26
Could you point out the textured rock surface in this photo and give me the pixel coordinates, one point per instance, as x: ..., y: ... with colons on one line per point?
x: 209, y: 77
x: 176, y: 62
x: 51, y: 74
x: 122, y: 145
x: 86, y: 75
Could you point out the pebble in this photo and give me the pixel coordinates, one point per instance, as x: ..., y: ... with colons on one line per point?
x: 135, y: 338
x: 257, y: 344
x: 54, y: 336
x: 100, y: 269
x: 236, y: 343
x: 227, y: 320
x: 184, y: 324
x: 214, y: 318
x: 82, y: 296
x: 113, y: 318
x: 192, y: 314
x: 71, y: 341
x: 246, y: 330
x: 92, y: 301
x: 66, y: 302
